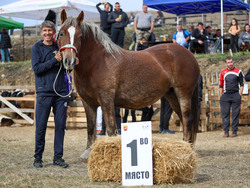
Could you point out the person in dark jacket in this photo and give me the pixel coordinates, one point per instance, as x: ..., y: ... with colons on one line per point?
x: 45, y: 63
x: 199, y: 38
x: 5, y: 43
x: 105, y: 26
x: 247, y: 76
x: 119, y: 20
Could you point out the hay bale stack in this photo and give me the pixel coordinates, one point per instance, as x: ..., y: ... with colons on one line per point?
x: 105, y: 161
x: 173, y: 161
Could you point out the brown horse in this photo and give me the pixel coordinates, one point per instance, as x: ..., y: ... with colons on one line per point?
x: 109, y: 76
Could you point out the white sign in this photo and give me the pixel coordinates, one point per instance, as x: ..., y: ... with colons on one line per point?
x: 137, y: 166
x: 245, y: 89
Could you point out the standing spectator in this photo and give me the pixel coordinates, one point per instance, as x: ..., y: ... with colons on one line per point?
x: 166, y: 112
x: 45, y: 64
x: 5, y: 43
x: 199, y: 36
x: 143, y: 25
x: 125, y: 117
x: 245, y: 38
x: 230, y: 96
x: 200, y: 88
x: 105, y: 26
x: 234, y: 30
x: 181, y: 36
x: 247, y: 76
x: 119, y: 20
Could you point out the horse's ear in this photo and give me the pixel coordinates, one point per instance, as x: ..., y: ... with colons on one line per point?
x: 63, y: 16
x: 80, y: 18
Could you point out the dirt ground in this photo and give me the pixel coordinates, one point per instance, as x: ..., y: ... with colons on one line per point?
x: 223, y: 162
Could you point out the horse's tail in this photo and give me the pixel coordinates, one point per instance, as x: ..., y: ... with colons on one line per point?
x: 193, y: 121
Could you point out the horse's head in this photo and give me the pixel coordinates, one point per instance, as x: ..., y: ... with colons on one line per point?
x: 69, y: 39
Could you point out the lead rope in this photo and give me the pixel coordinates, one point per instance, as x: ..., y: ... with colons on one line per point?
x: 69, y: 81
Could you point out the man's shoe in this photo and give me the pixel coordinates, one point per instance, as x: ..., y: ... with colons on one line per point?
x: 234, y: 134
x: 164, y: 131
x: 226, y: 134
x: 38, y: 163
x: 102, y: 133
x: 60, y: 162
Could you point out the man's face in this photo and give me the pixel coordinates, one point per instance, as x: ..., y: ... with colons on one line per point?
x: 145, y: 8
x: 143, y: 41
x: 117, y: 7
x: 179, y: 28
x: 208, y: 30
x: 200, y: 27
x: 230, y: 64
x: 48, y: 34
x: 106, y: 7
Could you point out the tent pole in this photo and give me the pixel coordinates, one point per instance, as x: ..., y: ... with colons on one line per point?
x: 23, y: 46
x: 221, y: 20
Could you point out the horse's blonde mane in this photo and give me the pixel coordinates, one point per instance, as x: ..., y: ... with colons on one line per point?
x: 98, y: 34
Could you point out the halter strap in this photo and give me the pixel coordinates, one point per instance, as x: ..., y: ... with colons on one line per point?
x: 68, y: 46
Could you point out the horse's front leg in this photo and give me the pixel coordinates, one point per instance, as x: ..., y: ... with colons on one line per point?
x: 108, y: 111
x: 91, y: 128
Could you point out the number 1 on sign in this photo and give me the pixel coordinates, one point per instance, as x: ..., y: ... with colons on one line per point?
x: 133, y: 146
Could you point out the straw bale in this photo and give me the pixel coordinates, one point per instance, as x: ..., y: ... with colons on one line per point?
x: 105, y: 162
x: 173, y: 161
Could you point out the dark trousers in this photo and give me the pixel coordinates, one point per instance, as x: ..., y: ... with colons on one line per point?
x: 125, y: 117
x: 166, y: 112
x: 117, y: 119
x: 43, y: 108
x: 108, y: 31
x: 117, y: 36
x: 226, y: 102
x: 194, y: 44
x: 234, y: 42
x: 147, y: 113
x: 199, y: 113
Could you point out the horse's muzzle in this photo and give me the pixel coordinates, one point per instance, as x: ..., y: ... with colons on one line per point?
x: 69, y: 63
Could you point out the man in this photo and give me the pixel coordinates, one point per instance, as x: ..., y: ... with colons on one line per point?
x: 119, y: 20
x: 199, y: 36
x: 45, y: 64
x: 143, y: 25
x: 247, y: 76
x: 181, y: 36
x: 105, y: 26
x: 166, y: 112
x: 230, y: 96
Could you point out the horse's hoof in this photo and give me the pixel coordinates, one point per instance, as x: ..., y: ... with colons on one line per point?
x: 85, y: 156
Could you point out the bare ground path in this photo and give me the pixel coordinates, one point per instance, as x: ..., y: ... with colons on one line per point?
x: 224, y: 162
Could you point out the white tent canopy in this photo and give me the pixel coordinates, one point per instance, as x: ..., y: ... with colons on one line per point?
x: 38, y: 9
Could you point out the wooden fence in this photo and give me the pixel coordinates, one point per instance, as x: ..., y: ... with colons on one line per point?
x: 209, y: 119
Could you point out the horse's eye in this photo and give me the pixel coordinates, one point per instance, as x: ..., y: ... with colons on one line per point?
x: 61, y: 34
x: 81, y: 37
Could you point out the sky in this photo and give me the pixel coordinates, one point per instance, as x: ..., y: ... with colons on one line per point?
x: 126, y: 5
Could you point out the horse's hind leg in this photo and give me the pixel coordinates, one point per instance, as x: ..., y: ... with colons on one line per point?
x: 91, y: 128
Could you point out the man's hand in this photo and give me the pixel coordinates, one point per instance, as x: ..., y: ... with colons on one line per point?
x: 118, y: 20
x: 200, y: 41
x: 58, y: 56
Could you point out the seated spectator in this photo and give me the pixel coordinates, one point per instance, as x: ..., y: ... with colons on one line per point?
x: 181, y: 36
x: 199, y: 36
x: 217, y: 34
x: 142, y: 44
x: 159, y: 18
x: 245, y: 38
x: 150, y: 39
x: 210, y: 37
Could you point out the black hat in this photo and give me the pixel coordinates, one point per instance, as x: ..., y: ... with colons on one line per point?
x: 51, y: 16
